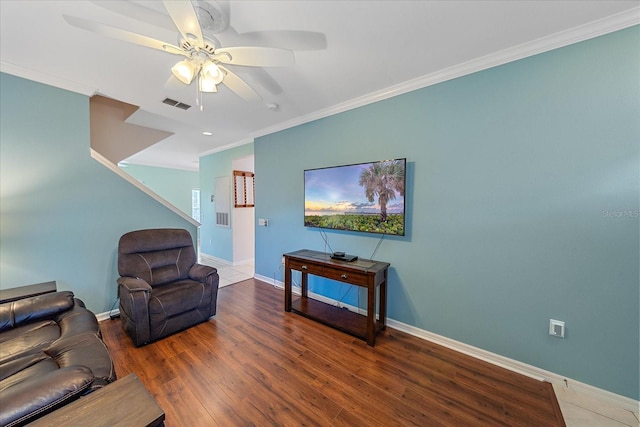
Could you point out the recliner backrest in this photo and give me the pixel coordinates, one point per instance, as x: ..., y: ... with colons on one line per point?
x: 156, y: 255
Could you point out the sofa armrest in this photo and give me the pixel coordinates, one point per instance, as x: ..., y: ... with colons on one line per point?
x: 201, y: 272
x: 40, y: 307
x: 38, y: 395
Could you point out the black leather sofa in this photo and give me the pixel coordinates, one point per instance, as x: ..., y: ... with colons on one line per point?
x: 51, y: 352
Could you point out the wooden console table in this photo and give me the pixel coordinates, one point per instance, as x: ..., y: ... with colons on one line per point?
x: 363, y: 272
x: 124, y: 402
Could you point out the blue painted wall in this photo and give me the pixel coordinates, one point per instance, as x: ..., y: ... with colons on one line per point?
x: 215, y: 240
x: 61, y: 212
x: 523, y: 200
x: 173, y: 185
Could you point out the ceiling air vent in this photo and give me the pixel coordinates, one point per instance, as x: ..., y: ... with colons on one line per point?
x: 176, y: 104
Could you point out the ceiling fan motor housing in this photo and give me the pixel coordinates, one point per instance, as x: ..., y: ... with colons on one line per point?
x: 213, y: 16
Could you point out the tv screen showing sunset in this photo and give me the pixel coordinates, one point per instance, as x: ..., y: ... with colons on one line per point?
x: 367, y: 197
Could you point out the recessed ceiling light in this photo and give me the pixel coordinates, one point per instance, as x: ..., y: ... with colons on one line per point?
x: 207, y: 133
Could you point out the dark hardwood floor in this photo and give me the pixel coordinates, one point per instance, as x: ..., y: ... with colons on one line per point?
x: 255, y: 365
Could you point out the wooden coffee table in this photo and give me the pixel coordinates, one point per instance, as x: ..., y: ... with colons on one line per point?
x: 124, y: 402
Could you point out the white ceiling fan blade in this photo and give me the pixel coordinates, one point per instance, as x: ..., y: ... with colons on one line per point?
x: 138, y: 12
x: 239, y: 87
x: 265, y: 80
x: 185, y: 18
x: 257, y: 56
x: 293, y: 39
x: 118, y: 34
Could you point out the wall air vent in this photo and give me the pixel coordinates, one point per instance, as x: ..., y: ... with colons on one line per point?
x: 222, y: 200
x: 176, y: 104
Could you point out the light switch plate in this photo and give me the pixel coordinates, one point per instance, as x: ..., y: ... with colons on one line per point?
x: 556, y: 328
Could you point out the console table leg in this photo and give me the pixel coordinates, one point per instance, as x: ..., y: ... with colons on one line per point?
x: 287, y: 288
x: 304, y: 287
x: 371, y: 315
x: 383, y: 303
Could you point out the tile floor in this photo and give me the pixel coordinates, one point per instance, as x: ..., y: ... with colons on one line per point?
x: 578, y: 409
x: 229, y: 274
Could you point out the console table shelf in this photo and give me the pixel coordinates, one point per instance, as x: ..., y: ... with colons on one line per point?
x: 364, y: 273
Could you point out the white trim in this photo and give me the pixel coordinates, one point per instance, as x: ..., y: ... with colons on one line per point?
x: 493, y: 358
x: 519, y: 367
x: 216, y: 259
x: 247, y: 261
x: 47, y: 79
x: 161, y: 164
x: 115, y: 169
x: 107, y: 315
x: 577, y: 34
x: 226, y: 147
x: 227, y: 263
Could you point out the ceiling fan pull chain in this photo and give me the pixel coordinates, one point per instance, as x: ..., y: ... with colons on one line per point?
x: 201, y: 103
x: 199, y: 96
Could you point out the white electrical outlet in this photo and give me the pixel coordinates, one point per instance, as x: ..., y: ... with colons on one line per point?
x: 263, y: 222
x: 556, y: 328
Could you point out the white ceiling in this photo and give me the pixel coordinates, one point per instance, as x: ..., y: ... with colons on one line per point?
x: 374, y: 49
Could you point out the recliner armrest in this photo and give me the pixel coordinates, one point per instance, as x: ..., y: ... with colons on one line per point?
x: 134, y: 294
x: 134, y: 284
x: 200, y: 272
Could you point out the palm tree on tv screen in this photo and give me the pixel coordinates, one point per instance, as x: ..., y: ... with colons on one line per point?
x: 383, y: 180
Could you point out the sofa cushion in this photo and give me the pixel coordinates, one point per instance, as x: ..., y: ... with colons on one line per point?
x: 20, y: 370
x: 76, y: 321
x: 85, y: 349
x: 27, y: 339
x: 22, y: 365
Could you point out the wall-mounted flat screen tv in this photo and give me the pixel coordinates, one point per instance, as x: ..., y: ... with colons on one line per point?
x: 366, y: 197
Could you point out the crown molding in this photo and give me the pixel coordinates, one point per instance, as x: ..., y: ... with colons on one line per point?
x: 610, y: 24
x: 47, y: 79
x: 227, y: 147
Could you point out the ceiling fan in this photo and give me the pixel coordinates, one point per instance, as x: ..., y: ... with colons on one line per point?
x: 205, y: 60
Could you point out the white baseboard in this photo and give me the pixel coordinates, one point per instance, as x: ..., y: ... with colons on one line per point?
x: 247, y: 261
x: 493, y: 358
x: 107, y: 315
x: 227, y: 262
x: 519, y: 367
x: 216, y: 259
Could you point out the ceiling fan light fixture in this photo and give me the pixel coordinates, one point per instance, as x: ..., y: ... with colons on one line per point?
x: 211, y: 71
x: 185, y: 71
x: 206, y: 84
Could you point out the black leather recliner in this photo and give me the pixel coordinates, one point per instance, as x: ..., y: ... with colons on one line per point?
x: 162, y: 289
